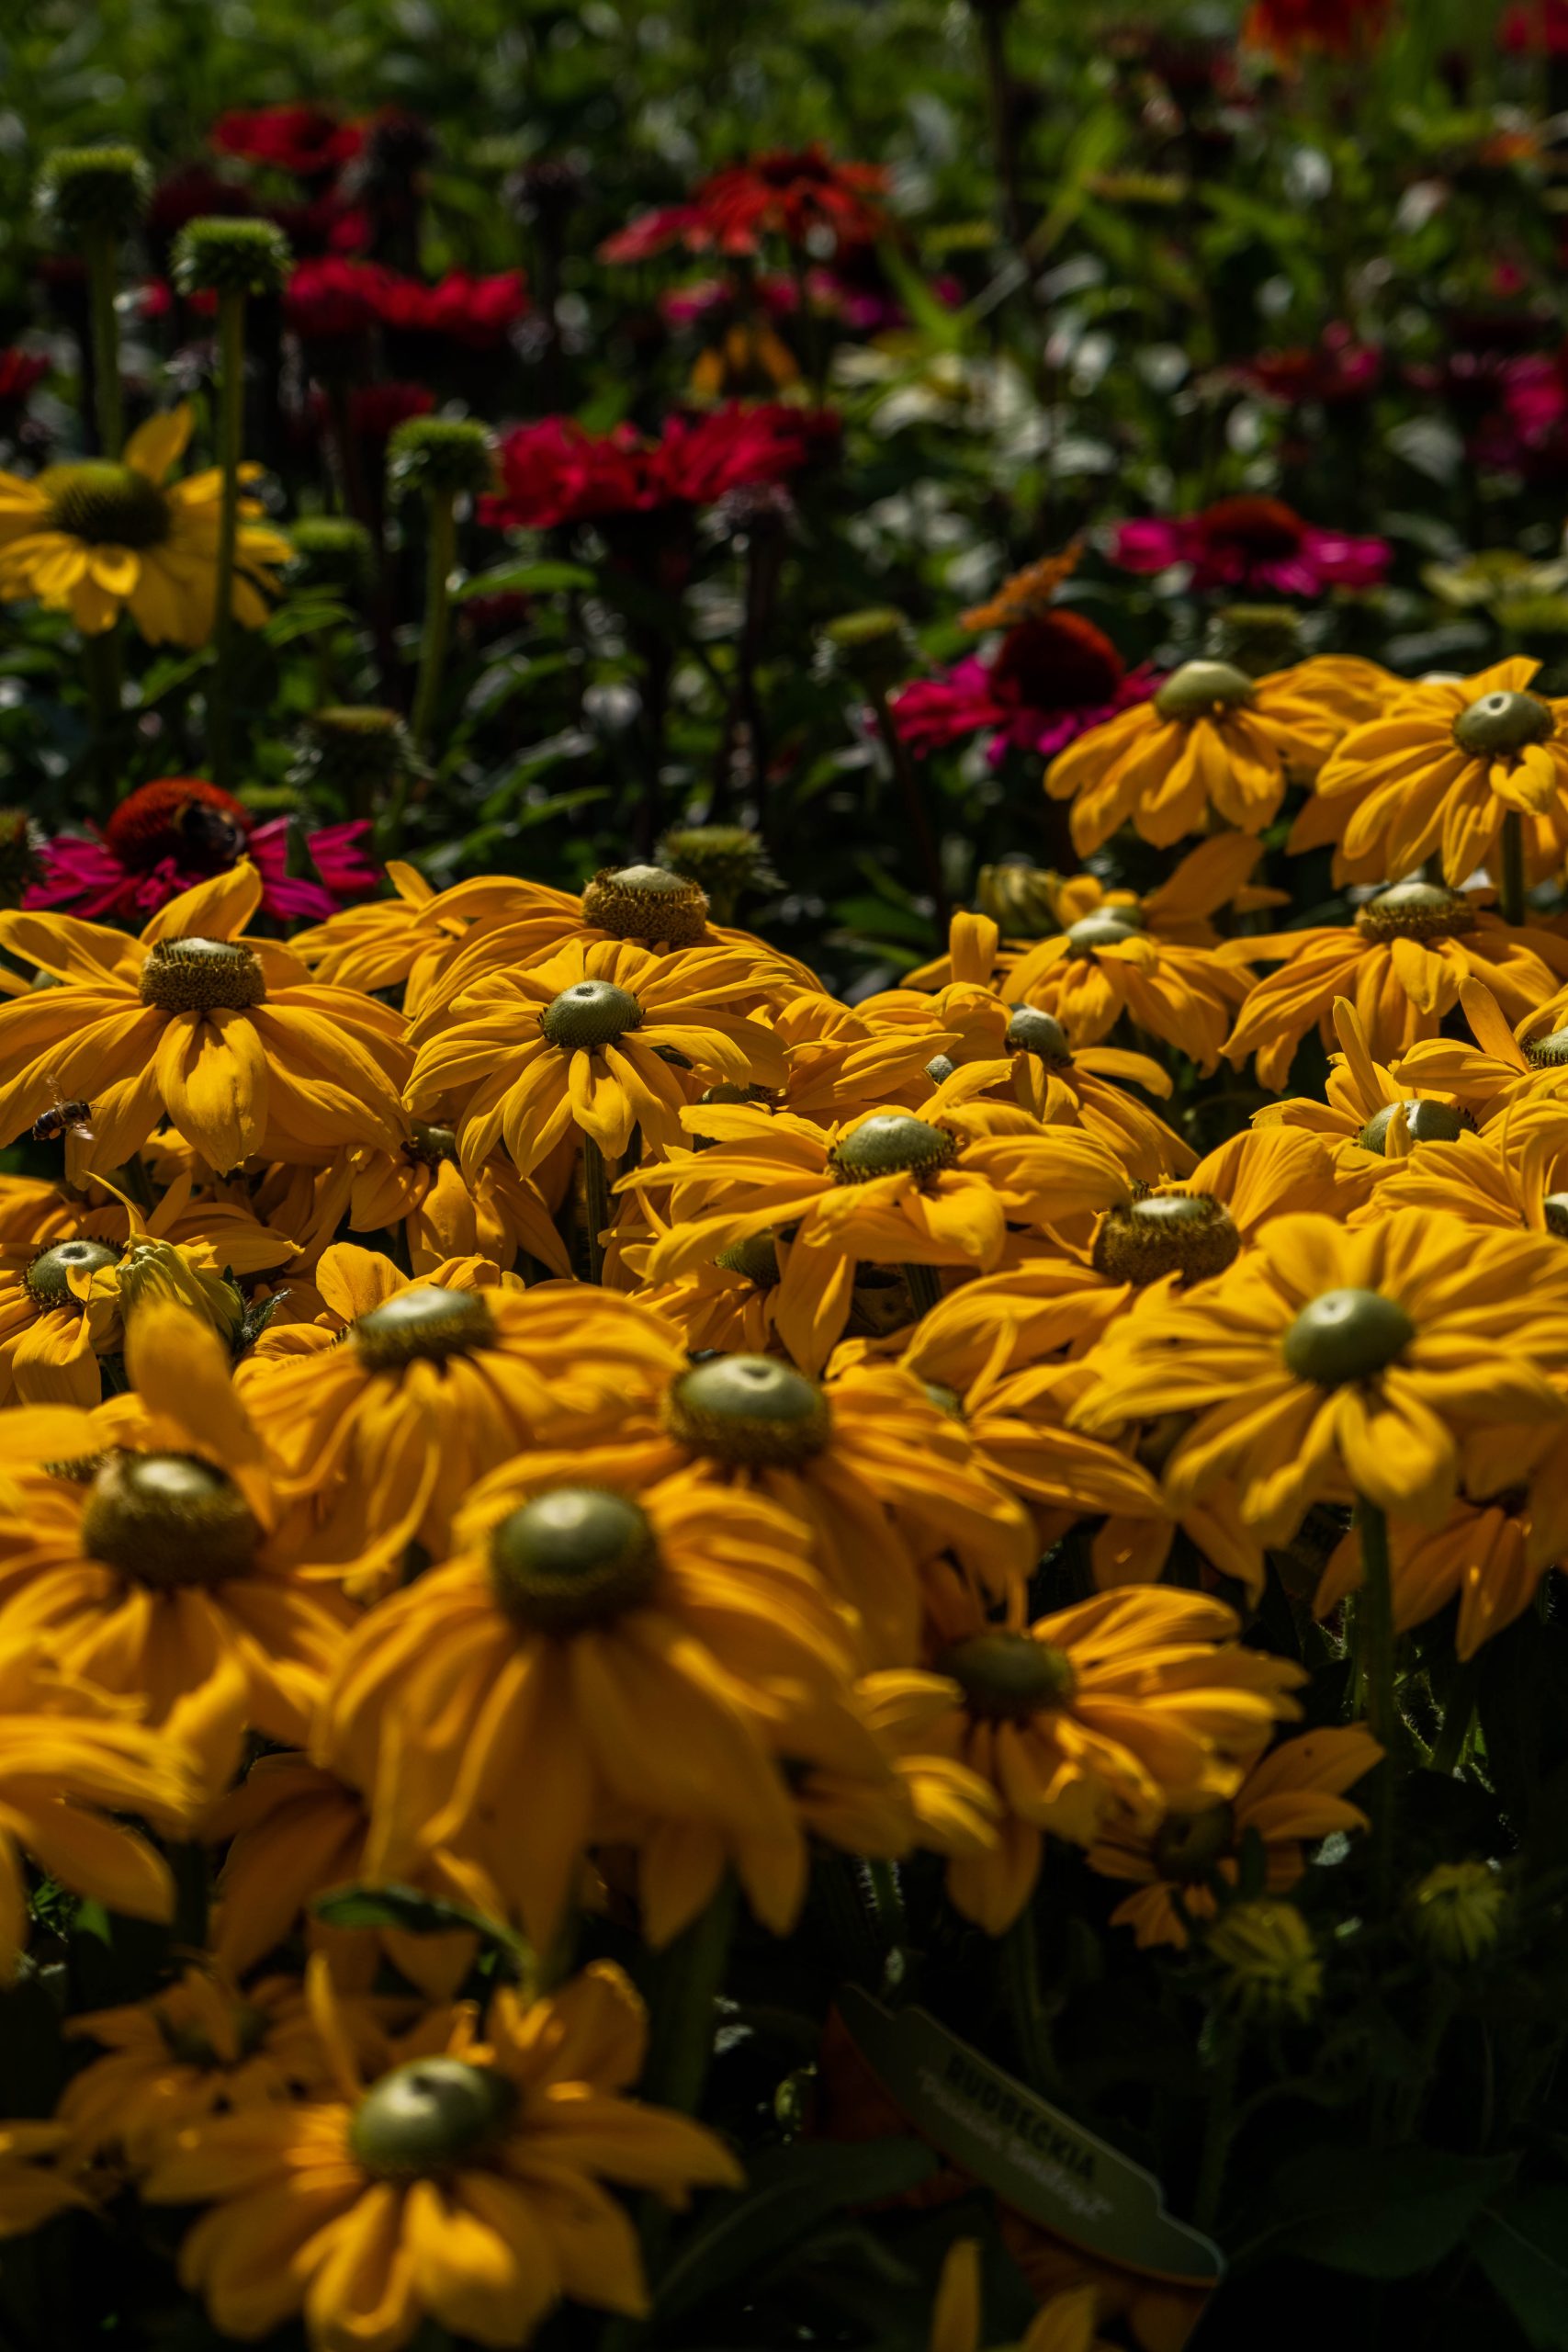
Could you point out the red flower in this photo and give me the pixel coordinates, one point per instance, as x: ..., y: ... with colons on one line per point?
x: 303, y: 139
x: 1536, y: 28
x: 787, y: 195
x: 169, y: 835
x: 554, y: 472
x: 1336, y: 370
x: 20, y: 373
x: 196, y: 193
x: 331, y: 298
x: 1331, y: 27
x: 477, y: 311
x: 1252, y: 543
x: 1052, y: 678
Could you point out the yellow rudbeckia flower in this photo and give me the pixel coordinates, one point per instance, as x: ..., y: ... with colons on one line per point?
x: 95, y: 539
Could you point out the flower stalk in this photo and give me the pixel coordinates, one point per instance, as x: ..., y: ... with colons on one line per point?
x: 231, y: 434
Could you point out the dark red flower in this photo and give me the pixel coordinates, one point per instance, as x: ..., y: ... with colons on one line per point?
x: 795, y: 195
x: 303, y: 139
x: 170, y: 835
x: 197, y: 193
x: 1052, y: 678
x: 1336, y: 370
x: 21, y: 372
x: 1536, y: 28
x: 329, y: 299
x: 1252, y: 543
x: 478, y: 312
x: 554, y: 471
x: 1328, y: 28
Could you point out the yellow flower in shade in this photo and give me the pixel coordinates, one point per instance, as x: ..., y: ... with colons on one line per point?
x: 1065, y: 2323
x: 1327, y: 1363
x: 1105, y: 967
x: 452, y: 2177
x: 1514, y: 1174
x: 1211, y: 739
x: 37, y: 2177
x: 58, y: 1315
x: 600, y: 1038
x: 434, y: 1382
x: 1401, y: 964
x: 411, y: 940
x: 70, y: 1760
x: 95, y: 539
x: 1489, y: 1556
x: 1456, y: 1912
x: 292, y: 1831
x: 1436, y: 773
x: 889, y: 1189
x: 162, y: 1578
x: 1292, y: 1796
x: 841, y: 1061
x: 1154, y: 2316
x: 927, y: 1800
x: 199, y: 2048
x: 656, y: 1654
x: 1269, y: 1969
x: 1128, y: 1704
x: 1505, y: 1067
x: 1372, y: 1120
x: 224, y: 1035
x: 443, y: 1213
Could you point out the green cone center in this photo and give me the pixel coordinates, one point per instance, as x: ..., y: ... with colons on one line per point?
x: 1548, y: 1052
x: 428, y: 2115
x: 1010, y: 1677
x: 1346, y: 1335
x: 1041, y: 1033
x: 1200, y: 688
x: 749, y: 1411
x: 1187, y: 1846
x: 198, y: 975
x: 1189, y: 1234
x: 47, y: 1279
x: 1420, y: 910
x: 571, y: 1559
x: 1104, y: 928
x: 591, y: 1012
x: 168, y: 1519
x: 1501, y: 723
x: 891, y: 1143
x: 425, y: 1323
x: 1426, y: 1121
x: 756, y: 1259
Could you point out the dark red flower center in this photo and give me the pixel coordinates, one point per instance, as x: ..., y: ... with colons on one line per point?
x: 202, y: 829
x: 1258, y: 527
x: 1059, y: 661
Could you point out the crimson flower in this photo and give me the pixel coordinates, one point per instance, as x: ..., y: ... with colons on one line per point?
x: 328, y: 300
x: 375, y: 411
x: 1252, y: 543
x: 170, y: 835
x: 1052, y: 678
x: 554, y: 471
x: 478, y: 312
x: 1536, y: 28
x: 798, y: 195
x: 1328, y: 28
x: 21, y: 372
x: 304, y: 140
x: 1336, y: 370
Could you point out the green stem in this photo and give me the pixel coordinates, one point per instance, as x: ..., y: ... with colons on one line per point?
x: 887, y: 1903
x: 101, y: 665
x: 441, y: 556
x: 108, y: 403
x: 1375, y: 1660
x: 925, y: 1288
x: 914, y: 801
x: 231, y: 433
x: 1021, y: 1980
x: 1457, y: 1716
x: 596, y: 1205
x: 1512, y: 880
x: 1218, y: 2128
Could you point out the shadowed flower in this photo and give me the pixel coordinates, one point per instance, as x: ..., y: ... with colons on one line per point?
x: 800, y: 196
x: 555, y: 471
x: 301, y: 138
x: 1050, y: 680
x: 1252, y: 545
x: 165, y: 837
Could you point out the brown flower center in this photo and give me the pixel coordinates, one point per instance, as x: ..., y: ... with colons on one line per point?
x: 200, y: 974
x: 1008, y: 1677
x: 1189, y: 1234
x: 751, y: 1411
x: 107, y: 506
x: 575, y: 1557
x: 1422, y: 910
x: 167, y: 1520
x: 646, y: 902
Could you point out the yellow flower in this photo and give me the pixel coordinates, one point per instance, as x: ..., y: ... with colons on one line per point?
x: 1293, y: 1795
x: 1126, y: 1705
x: 1270, y: 1970
x: 841, y: 1061
x: 35, y: 2176
x: 927, y: 1800
x: 1401, y: 964
x: 1105, y: 967
x: 1436, y: 772
x: 56, y: 1316
x: 1372, y: 1120
x: 1514, y: 1174
x: 93, y: 539
x: 454, y: 2178
x: 224, y: 1035
x: 443, y: 1213
x: 1491, y: 1556
x: 161, y: 1577
x: 1456, y: 1911
x: 1505, y: 1068
x: 70, y: 1760
x: 411, y: 940
x: 1327, y: 1363
x: 599, y: 1038
x: 651, y: 1651
x: 1212, y: 738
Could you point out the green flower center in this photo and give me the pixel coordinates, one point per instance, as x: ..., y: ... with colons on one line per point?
x: 1188, y: 1845
x: 749, y: 1411
x: 168, y: 1519
x: 891, y: 1143
x: 106, y: 505
x: 591, y: 1013
x: 1040, y: 1034
x: 573, y: 1558
x: 431, y: 2114
x: 1502, y: 723
x: 940, y: 1067
x: 1549, y: 1052
x: 1420, y: 910
x: 1199, y: 689
x: 197, y: 975
x: 47, y: 1279
x: 430, y: 1145
x: 1426, y: 1123
x: 1347, y: 1335
x: 1010, y: 1677
x: 947, y: 1400
x: 1107, y: 927
x: 424, y: 1325
x: 646, y: 902
x: 1555, y: 1208
x: 756, y: 1259
x: 1189, y: 1234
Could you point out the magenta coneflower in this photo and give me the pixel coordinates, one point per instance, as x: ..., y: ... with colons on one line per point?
x: 1051, y: 679
x: 1252, y: 544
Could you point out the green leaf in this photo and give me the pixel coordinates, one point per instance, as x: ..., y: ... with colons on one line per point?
x: 789, y: 2192
x: 541, y: 579
x: 1381, y: 2214
x: 404, y: 1907
x: 1522, y: 2246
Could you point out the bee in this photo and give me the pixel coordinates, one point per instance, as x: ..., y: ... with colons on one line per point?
x: 65, y: 1116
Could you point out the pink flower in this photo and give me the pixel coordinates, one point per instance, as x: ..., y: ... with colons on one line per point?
x: 1252, y: 544
x: 1052, y: 678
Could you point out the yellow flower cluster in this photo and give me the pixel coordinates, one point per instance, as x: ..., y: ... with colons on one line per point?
x: 594, y: 1407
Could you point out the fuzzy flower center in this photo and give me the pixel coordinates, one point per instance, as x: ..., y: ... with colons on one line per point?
x: 646, y: 903
x: 167, y: 1520
x: 1421, y: 910
x: 428, y: 2115
x: 573, y: 1558
x: 1344, y: 1335
x: 1107, y: 927
x: 1189, y: 1234
x: 1555, y: 1209
x: 891, y: 1143
x: 749, y: 1411
x: 1203, y: 690
x: 1426, y: 1123
x: 1188, y: 1845
x: 1057, y: 661
x: 1040, y: 1034
x: 756, y: 1260
x: 1501, y: 723
x: 424, y: 1325
x: 1008, y: 1677
x: 47, y: 1279
x: 1549, y: 1052
x: 106, y: 505
x: 591, y: 1013
x: 430, y: 1145
x: 202, y: 829
x: 200, y: 974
